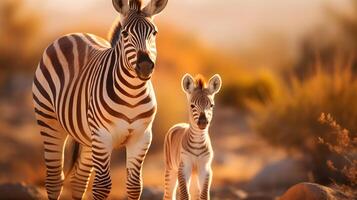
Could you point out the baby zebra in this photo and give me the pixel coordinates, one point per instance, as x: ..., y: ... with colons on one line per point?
x: 188, y: 146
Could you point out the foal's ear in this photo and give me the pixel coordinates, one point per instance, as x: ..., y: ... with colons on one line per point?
x: 188, y: 83
x: 154, y: 7
x: 122, y: 6
x: 214, y: 84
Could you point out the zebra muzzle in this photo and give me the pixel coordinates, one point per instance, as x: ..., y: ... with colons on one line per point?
x: 145, y: 66
x: 145, y: 69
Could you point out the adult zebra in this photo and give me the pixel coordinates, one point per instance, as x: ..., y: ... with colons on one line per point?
x: 101, y: 96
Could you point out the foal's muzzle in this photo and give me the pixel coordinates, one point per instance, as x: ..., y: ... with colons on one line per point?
x: 202, y: 121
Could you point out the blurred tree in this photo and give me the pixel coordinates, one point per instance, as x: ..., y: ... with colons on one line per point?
x: 329, y: 46
x: 19, y: 50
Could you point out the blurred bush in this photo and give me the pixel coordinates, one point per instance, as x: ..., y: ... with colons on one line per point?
x: 290, y: 121
x: 241, y: 94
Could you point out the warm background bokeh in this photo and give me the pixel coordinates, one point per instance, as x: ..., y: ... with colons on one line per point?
x: 283, y: 63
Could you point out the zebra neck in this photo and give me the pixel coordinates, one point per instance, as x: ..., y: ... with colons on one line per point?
x: 198, y: 135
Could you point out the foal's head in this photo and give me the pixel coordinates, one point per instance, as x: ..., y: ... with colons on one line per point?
x: 200, y: 96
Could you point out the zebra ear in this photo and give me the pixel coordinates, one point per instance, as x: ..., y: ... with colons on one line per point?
x: 214, y: 84
x: 154, y: 7
x: 188, y: 83
x: 122, y: 6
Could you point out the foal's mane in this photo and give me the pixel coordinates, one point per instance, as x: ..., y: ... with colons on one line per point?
x: 200, y: 81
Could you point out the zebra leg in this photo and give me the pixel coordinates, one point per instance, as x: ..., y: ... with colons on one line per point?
x: 54, y: 139
x: 82, y: 171
x: 54, y: 166
x: 170, y: 184
x: 204, y: 181
x: 136, y: 150
x: 101, y: 153
x: 184, y: 178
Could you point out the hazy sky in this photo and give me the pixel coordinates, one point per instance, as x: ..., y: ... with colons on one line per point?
x: 227, y: 22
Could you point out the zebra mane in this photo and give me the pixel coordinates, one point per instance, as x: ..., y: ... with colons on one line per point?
x: 114, y: 33
x: 200, y: 81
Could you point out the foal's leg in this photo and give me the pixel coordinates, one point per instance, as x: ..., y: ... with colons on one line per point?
x: 204, y: 181
x: 170, y: 184
x: 184, y: 178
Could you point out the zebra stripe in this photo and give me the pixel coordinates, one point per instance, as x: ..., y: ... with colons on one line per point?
x: 99, y: 95
x: 188, y: 147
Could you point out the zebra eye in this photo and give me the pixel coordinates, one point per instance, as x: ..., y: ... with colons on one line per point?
x: 155, y: 33
x: 192, y: 106
x: 212, y: 105
x: 125, y: 33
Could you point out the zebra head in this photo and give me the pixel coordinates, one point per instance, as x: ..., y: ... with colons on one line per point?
x: 138, y: 35
x: 200, y: 96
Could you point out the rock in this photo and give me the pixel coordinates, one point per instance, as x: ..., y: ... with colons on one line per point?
x: 311, y: 191
x: 15, y: 191
x: 277, y: 175
x: 152, y: 193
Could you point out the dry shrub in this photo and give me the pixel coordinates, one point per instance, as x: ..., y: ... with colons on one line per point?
x: 289, y: 121
x: 345, y: 146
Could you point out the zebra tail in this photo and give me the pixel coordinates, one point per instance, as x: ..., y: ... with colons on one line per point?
x: 71, y: 155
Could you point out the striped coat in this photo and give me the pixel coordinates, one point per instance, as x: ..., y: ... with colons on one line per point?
x: 187, y: 147
x: 100, y: 96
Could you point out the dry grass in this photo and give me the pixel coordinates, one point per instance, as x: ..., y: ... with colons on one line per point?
x: 345, y: 147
